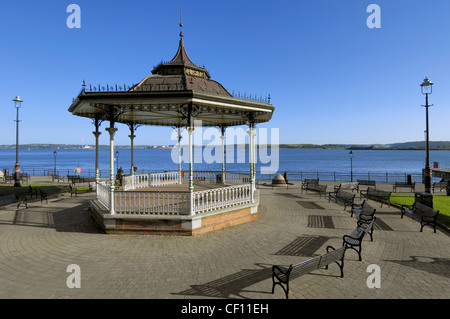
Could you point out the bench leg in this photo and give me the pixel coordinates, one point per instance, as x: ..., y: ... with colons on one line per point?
x: 423, y: 224
x: 280, y: 283
x: 341, y: 266
x: 357, y: 250
x: 22, y: 202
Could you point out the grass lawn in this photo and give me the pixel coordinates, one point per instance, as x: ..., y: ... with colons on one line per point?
x: 10, y: 189
x: 440, y: 202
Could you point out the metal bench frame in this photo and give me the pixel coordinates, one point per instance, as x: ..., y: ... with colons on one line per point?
x: 378, y: 195
x: 354, y: 240
x: 281, y: 276
x: 363, y: 211
x: 342, y: 196
x: 422, y: 213
x: 321, y: 189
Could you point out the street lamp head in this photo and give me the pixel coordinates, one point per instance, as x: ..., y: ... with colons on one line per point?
x: 18, y: 101
x: 350, y: 154
x: 427, y: 86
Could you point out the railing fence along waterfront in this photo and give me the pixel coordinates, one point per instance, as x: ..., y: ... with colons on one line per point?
x: 334, y: 176
x: 236, y: 177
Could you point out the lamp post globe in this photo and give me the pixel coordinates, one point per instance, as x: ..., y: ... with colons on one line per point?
x: 17, y: 104
x: 427, y: 88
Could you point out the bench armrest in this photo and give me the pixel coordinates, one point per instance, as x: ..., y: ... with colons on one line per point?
x: 355, y: 205
x: 282, y: 270
x: 428, y: 218
x: 349, y: 236
x: 366, y: 217
x: 330, y: 247
x: 406, y: 206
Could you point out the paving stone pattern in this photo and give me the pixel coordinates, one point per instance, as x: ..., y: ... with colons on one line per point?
x: 39, y: 243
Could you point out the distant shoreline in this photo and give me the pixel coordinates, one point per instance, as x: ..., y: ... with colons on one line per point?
x: 408, y: 146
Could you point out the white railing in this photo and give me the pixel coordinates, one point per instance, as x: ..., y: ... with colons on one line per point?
x: 166, y: 178
x: 171, y: 178
x: 218, y: 198
x: 154, y: 203
x: 149, y: 180
x: 177, y: 203
x: 236, y: 178
x: 103, y: 194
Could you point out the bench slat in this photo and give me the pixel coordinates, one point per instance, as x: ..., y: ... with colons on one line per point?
x: 422, y: 213
x: 281, y: 275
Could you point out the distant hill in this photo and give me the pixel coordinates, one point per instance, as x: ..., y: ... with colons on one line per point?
x: 418, y: 145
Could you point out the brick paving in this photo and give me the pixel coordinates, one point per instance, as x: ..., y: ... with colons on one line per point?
x: 39, y: 243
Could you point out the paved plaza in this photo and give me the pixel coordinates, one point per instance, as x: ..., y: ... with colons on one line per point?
x: 39, y: 243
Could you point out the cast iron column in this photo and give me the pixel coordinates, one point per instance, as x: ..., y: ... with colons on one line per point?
x: 222, y: 137
x: 190, y: 130
x: 252, y: 155
x: 17, y: 104
x: 179, y: 155
x: 427, y: 163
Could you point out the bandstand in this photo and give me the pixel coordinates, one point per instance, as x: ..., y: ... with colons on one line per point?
x: 176, y: 94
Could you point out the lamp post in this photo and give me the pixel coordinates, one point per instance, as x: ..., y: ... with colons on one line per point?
x: 117, y: 160
x: 351, y: 165
x: 17, y: 105
x: 54, y: 154
x: 427, y: 88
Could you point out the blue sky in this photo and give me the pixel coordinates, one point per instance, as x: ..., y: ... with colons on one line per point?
x: 331, y: 78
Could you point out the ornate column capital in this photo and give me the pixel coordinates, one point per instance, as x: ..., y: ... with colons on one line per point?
x: 190, y: 129
x: 111, y: 130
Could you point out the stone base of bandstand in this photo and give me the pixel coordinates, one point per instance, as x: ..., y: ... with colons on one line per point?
x: 179, y: 225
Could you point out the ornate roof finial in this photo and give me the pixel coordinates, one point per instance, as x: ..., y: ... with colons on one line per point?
x: 181, y: 25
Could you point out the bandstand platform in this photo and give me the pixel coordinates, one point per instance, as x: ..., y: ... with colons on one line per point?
x: 148, y: 205
x: 178, y: 94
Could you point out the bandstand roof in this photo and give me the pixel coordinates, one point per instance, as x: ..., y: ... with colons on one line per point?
x: 163, y: 98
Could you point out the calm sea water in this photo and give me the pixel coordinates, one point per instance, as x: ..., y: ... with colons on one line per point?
x: 328, y: 164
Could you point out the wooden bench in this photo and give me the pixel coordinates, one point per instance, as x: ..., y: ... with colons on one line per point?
x: 347, y: 186
x: 73, y: 190
x: 9, y: 178
x: 22, y: 194
x: 354, y: 240
x: 411, y: 186
x: 342, y: 196
x: 363, y: 182
x: 321, y: 189
x: 383, y: 197
x: 282, y: 275
x: 28, y: 191
x: 57, y: 178
x: 43, y: 195
x: 363, y: 211
x: 21, y: 199
x: 72, y: 179
x: 422, y: 213
x: 309, y: 182
x: 440, y: 185
x: 24, y: 178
